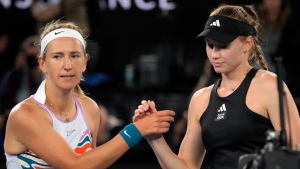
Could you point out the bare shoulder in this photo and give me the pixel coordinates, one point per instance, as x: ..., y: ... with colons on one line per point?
x: 27, y: 110
x: 202, y: 94
x: 199, y: 101
x: 90, y: 106
x: 265, y: 81
x: 263, y: 93
x: 23, y: 125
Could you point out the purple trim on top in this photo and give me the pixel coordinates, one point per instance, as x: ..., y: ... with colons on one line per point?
x: 57, y: 117
x: 78, y: 103
x: 11, y: 155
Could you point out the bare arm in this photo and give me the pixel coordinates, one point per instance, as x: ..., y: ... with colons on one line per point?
x: 263, y: 98
x: 192, y: 151
x: 271, y: 99
x: 28, y: 129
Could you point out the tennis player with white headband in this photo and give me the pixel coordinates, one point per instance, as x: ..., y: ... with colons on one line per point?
x: 62, y: 32
x: 57, y: 126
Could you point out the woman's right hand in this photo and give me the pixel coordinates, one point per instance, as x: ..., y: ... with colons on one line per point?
x: 152, y: 123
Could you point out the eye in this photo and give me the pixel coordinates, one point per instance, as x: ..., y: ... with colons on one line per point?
x: 221, y: 46
x: 75, y: 56
x: 56, y: 56
x: 210, y: 45
x: 217, y: 45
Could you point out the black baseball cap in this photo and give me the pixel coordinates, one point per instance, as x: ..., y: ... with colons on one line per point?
x: 224, y: 29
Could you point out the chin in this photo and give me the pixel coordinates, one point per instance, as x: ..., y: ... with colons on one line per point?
x: 68, y: 87
x: 69, y: 84
x: 218, y: 70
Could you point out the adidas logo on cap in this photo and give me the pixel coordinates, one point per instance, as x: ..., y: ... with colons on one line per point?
x: 215, y: 23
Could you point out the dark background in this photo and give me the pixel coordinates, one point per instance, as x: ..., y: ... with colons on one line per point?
x: 120, y: 37
x: 123, y: 37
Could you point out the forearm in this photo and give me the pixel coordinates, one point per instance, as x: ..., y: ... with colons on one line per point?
x: 129, y: 137
x: 166, y: 157
x: 102, y: 156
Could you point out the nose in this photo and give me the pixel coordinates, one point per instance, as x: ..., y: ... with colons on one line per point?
x: 215, y: 54
x: 67, y: 63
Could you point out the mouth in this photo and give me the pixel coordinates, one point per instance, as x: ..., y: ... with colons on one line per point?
x: 67, y: 76
x: 216, y: 64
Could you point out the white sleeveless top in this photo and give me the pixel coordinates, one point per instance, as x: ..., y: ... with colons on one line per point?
x: 76, y: 132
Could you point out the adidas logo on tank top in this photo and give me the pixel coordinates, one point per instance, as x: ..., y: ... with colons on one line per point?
x: 221, y: 113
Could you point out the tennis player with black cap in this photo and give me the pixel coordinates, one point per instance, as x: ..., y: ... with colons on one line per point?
x: 229, y: 118
x: 224, y: 29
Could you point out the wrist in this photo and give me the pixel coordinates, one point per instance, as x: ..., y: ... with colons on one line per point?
x: 131, y: 135
x: 153, y: 137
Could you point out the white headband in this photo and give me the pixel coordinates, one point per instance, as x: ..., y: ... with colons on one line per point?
x: 62, y: 32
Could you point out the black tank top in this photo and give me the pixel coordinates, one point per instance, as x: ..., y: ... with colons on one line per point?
x: 230, y: 129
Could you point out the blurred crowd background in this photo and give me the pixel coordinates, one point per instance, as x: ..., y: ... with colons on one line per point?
x: 140, y: 49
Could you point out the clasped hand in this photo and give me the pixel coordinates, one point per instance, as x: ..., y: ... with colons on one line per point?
x: 160, y: 120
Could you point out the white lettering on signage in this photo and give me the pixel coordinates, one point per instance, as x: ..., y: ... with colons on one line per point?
x: 145, y: 5
x: 5, y: 3
x: 125, y: 4
x: 20, y: 4
x: 23, y: 4
x: 167, y: 5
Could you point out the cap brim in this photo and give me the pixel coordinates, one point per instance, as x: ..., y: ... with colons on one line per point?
x: 219, y: 36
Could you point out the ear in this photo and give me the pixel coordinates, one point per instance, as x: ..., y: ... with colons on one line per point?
x: 248, y: 43
x: 42, y: 64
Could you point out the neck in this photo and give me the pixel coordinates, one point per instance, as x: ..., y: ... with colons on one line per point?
x: 61, y: 108
x: 230, y: 82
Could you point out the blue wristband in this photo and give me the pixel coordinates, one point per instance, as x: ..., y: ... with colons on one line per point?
x: 131, y: 135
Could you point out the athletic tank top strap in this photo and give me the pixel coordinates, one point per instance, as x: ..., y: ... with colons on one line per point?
x: 243, y: 88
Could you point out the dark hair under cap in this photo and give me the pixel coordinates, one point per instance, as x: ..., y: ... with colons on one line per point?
x: 224, y: 29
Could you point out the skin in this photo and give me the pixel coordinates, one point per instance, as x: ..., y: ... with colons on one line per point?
x: 30, y: 127
x: 262, y: 98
